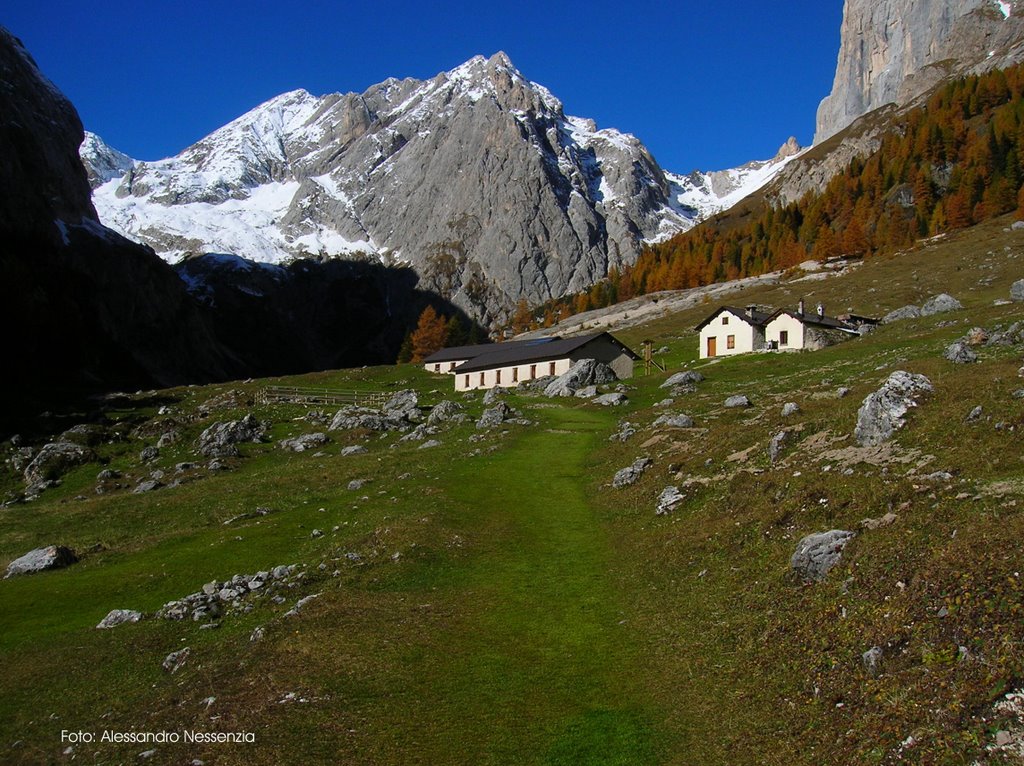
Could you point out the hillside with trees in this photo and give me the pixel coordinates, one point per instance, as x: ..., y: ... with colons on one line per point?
x: 949, y: 164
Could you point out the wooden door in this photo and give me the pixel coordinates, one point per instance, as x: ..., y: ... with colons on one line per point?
x: 712, y: 346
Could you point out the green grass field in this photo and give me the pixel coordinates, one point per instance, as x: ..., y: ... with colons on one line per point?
x: 497, y: 602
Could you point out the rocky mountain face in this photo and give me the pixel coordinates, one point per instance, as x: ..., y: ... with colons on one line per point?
x: 85, y: 306
x: 89, y: 310
x: 476, y: 178
x: 892, y: 51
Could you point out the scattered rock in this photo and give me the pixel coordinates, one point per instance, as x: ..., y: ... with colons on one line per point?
x: 219, y: 440
x: 299, y: 604
x: 960, y: 353
x: 583, y: 373
x: 430, y: 443
x: 939, y: 304
x: 775, y: 446
x: 631, y: 474
x: 790, y: 408
x: 885, y: 521
x: 86, y: 434
x: 147, y: 485
x: 674, y: 421
x: 882, y: 412
x: 443, y: 412
x: 669, y: 498
x: 149, y: 454
x: 1017, y: 288
x: 684, y: 378
x: 842, y: 392
x: 495, y: 416
x: 357, y: 484
x: 872, y: 660
x: 907, y: 312
x: 587, y: 393
x: 626, y: 430
x: 41, y: 559
x: 491, y: 395
x: 316, y: 533
x: 974, y: 414
x: 739, y: 400
x: 816, y: 554
x: 304, y: 442
x: 56, y: 459
x: 174, y: 661
x: 354, y: 449
x: 108, y: 474
x: 117, y: 617
x: 976, y: 336
x: 610, y: 400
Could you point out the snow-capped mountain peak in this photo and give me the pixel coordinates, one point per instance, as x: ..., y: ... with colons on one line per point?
x: 475, y: 177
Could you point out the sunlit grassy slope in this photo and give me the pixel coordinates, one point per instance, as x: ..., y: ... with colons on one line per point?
x: 497, y: 602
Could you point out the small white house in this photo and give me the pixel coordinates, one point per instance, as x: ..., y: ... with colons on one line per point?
x: 795, y: 330
x: 731, y: 330
x: 514, y: 362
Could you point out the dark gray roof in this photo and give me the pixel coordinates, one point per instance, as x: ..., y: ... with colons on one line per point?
x: 756, y: 318
x: 539, y: 350
x: 815, y: 320
x: 456, y: 353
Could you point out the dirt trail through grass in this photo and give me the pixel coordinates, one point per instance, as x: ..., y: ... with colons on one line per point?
x: 542, y: 670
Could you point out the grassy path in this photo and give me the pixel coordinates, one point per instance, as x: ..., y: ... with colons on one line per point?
x: 540, y: 668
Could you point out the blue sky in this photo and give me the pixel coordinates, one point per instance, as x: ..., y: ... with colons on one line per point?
x: 704, y: 85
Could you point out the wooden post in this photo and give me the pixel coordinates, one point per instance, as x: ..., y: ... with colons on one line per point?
x: 648, y: 347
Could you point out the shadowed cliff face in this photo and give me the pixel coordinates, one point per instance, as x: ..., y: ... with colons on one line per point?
x: 43, y: 178
x: 86, y: 310
x: 892, y: 51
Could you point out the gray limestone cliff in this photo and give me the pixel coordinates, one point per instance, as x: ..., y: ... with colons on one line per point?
x: 892, y: 51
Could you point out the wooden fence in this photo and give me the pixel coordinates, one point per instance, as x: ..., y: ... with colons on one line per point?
x: 333, y: 396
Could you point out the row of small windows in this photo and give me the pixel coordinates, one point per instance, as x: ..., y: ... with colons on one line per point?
x: 515, y: 375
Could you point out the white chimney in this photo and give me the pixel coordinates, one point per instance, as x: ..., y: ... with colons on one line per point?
x: 821, y: 309
x: 800, y: 307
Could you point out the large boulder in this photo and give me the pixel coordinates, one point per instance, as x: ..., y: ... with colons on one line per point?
x: 304, y: 442
x: 882, y: 412
x: 739, y: 400
x: 583, y: 373
x: 939, y: 304
x: 495, y: 416
x: 117, y: 617
x: 960, y: 353
x: 1017, y: 290
x: 55, y: 459
x: 402, y: 408
x: 41, y: 559
x: 219, y: 440
x: 348, y: 418
x: 816, y: 554
x: 669, y: 420
x: 613, y: 399
x: 631, y: 473
x: 443, y: 412
x: 907, y: 312
x: 685, y: 378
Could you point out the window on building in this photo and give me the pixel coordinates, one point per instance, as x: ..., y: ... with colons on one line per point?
x: 515, y: 374
x: 497, y: 377
x: 481, y: 378
x: 467, y: 382
x: 451, y: 366
x: 533, y: 371
x: 730, y: 341
x: 784, y: 337
x: 725, y: 320
x: 551, y: 369
x: 437, y: 367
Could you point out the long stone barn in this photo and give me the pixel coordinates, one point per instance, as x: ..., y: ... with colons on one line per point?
x: 513, y: 362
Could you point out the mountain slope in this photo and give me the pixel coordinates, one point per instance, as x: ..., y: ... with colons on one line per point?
x: 476, y: 178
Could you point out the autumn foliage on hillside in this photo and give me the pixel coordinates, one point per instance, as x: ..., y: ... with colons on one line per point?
x: 954, y: 162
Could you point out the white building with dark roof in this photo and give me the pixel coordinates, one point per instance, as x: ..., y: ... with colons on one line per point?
x: 511, y: 363
x: 731, y: 330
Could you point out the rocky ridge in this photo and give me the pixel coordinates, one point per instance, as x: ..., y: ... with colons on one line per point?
x: 476, y: 178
